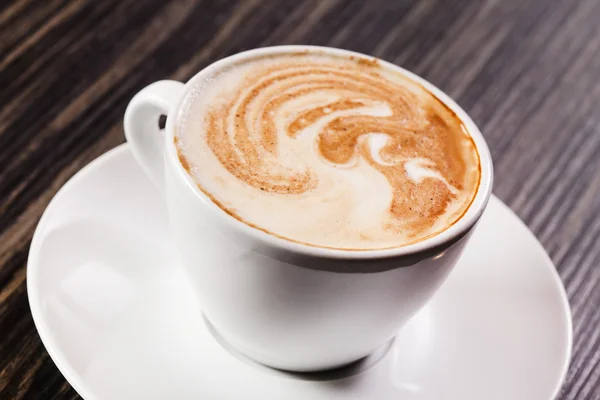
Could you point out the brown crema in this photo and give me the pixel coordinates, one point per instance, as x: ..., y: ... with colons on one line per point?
x: 309, y: 130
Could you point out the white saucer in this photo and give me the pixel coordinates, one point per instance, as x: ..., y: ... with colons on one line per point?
x: 120, y: 321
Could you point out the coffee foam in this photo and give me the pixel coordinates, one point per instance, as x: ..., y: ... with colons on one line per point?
x: 328, y: 151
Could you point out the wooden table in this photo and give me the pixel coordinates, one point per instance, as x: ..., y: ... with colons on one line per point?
x: 528, y: 72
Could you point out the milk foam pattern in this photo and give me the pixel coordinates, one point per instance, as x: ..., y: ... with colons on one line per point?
x: 315, y: 130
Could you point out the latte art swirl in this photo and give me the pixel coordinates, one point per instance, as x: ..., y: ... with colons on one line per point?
x: 331, y: 152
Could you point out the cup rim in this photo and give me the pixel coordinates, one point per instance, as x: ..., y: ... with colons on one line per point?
x: 450, y: 234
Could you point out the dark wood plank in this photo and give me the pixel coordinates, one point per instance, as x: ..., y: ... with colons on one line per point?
x: 528, y: 73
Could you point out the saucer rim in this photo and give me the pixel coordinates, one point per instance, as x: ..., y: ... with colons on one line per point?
x: 78, y: 382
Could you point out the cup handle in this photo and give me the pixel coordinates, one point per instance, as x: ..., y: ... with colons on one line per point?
x: 141, y: 126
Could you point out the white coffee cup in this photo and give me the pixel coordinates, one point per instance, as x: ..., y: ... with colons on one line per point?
x: 285, y: 304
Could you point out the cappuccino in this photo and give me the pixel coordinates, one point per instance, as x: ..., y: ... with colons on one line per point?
x: 329, y: 151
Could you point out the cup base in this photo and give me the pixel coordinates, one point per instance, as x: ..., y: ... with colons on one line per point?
x: 322, y: 373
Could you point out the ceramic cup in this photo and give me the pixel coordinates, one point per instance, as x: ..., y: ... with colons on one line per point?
x: 285, y: 304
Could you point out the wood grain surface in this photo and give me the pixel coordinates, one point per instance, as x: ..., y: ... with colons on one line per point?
x: 528, y: 72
